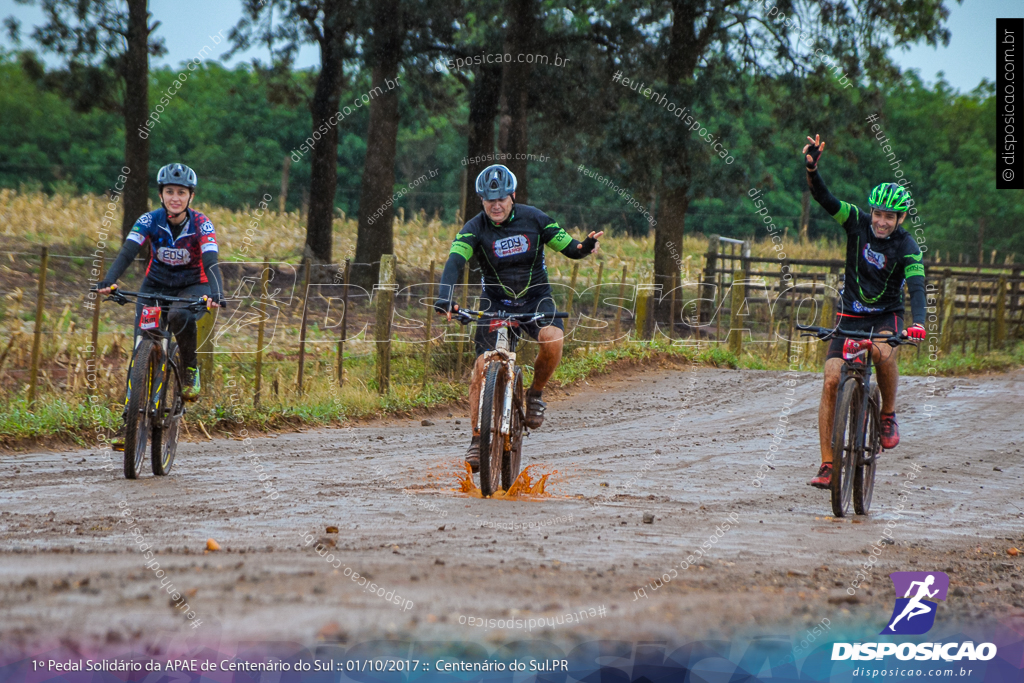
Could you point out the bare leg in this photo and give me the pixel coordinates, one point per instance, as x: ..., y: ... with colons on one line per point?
x: 827, y: 407
x: 887, y: 372
x: 474, y: 393
x: 548, y: 356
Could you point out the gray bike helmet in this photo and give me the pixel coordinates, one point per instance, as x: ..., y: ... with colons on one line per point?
x: 177, y: 174
x: 495, y: 182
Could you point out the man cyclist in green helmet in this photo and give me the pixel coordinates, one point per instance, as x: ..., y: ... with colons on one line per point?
x: 508, y: 240
x: 880, y: 257
x: 182, y: 262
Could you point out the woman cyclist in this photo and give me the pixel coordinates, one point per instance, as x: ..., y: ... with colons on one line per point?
x: 182, y: 263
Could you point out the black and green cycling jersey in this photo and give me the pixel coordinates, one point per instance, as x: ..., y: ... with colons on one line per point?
x: 876, y: 268
x: 510, y: 254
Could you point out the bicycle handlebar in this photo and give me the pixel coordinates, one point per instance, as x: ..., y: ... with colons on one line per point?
x: 120, y: 296
x: 466, y: 316
x: 826, y: 333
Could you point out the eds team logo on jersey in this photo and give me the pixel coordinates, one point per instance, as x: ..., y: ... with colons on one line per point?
x: 873, y: 257
x: 914, y: 613
x: 172, y: 256
x: 510, y: 246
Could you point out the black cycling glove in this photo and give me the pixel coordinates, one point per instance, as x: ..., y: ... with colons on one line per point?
x: 814, y: 152
x: 444, y: 306
x: 588, y: 245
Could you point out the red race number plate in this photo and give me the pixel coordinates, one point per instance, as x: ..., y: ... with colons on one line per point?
x: 150, y: 319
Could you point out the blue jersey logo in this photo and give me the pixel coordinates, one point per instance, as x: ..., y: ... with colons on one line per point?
x: 873, y: 257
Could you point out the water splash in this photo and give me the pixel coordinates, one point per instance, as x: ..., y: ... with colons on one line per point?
x: 523, y: 488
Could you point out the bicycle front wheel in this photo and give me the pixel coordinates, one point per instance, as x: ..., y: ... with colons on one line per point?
x: 513, y: 456
x: 137, y: 420
x: 169, y: 411
x: 844, y: 446
x: 864, y: 478
x: 492, y: 443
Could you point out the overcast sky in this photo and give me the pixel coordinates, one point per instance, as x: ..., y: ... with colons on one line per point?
x: 188, y: 25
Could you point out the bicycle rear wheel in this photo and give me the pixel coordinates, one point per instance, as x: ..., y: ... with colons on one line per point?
x: 513, y: 456
x: 844, y: 446
x: 864, y: 478
x: 137, y: 420
x: 492, y: 443
x: 165, y: 438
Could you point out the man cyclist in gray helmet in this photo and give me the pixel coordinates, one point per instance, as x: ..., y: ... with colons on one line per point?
x: 182, y: 262
x: 507, y: 239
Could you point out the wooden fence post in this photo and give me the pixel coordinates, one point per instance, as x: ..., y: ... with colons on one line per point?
x: 344, y: 323
x: 572, y: 287
x: 643, y: 297
x: 827, y: 308
x: 708, y: 294
x: 204, y: 335
x: 302, y: 329
x: 1000, y: 320
x: 735, y: 322
x: 90, y: 388
x: 948, y: 308
x: 618, y: 309
x: 430, y: 316
x: 382, y: 329
x: 597, y: 292
x: 264, y: 278
x: 37, y: 334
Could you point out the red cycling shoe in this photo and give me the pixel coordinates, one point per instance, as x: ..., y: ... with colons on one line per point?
x: 823, y: 479
x: 890, y: 431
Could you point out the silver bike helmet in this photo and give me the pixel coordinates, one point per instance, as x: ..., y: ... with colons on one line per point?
x: 177, y: 174
x: 495, y: 182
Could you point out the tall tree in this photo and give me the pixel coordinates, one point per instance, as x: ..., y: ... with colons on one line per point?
x: 105, y: 46
x: 520, y: 27
x: 327, y: 23
x: 384, y: 52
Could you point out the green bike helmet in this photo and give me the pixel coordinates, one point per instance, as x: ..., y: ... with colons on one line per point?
x: 889, y: 197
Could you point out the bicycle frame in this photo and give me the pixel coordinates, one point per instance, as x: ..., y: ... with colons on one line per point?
x: 504, y: 354
x: 861, y: 371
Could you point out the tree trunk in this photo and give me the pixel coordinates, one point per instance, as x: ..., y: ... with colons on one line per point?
x: 375, y: 237
x: 515, y: 90
x: 668, y: 247
x: 683, y: 53
x: 484, y: 99
x: 324, y: 156
x: 135, y: 200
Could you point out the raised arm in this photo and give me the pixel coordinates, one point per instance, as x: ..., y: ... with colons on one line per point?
x: 558, y: 239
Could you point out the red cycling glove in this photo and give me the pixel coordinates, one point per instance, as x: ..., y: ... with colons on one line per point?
x: 915, y: 332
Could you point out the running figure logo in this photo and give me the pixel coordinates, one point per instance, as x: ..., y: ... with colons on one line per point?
x: 914, y: 613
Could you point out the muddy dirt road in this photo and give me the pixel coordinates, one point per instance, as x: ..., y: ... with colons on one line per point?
x: 680, y: 444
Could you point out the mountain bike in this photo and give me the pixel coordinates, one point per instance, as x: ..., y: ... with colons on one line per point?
x: 856, y: 427
x: 155, y: 377
x: 502, y: 415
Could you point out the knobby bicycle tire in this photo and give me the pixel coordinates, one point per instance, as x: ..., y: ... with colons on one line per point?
x: 512, y: 460
x: 844, y: 439
x: 165, y: 440
x: 492, y: 445
x: 137, y: 422
x: 864, y: 478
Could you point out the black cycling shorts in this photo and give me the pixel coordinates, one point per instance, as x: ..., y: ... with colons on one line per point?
x: 486, y: 339
x: 876, y: 322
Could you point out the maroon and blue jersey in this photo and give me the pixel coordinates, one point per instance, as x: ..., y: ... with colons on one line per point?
x: 175, y: 262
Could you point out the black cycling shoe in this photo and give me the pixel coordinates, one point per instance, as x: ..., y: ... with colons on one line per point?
x: 534, y: 409
x: 473, y: 454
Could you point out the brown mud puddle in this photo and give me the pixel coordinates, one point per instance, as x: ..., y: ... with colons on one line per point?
x: 523, y: 488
